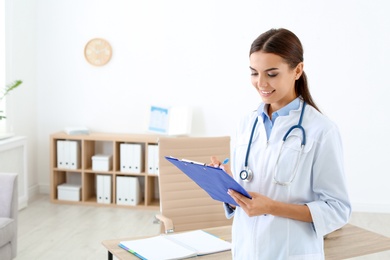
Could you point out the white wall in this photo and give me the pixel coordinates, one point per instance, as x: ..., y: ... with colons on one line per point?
x: 21, y: 64
x: 2, y: 61
x: 196, y: 53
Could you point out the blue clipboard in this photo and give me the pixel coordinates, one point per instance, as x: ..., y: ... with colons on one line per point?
x: 213, y: 180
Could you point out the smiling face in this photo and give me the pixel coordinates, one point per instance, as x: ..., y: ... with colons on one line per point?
x: 274, y: 79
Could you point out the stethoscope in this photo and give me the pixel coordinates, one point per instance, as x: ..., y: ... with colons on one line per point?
x: 247, y: 174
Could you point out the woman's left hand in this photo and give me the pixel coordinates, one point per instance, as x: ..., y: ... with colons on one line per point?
x: 258, y: 205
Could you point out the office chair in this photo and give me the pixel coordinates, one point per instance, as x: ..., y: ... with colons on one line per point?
x: 183, y: 204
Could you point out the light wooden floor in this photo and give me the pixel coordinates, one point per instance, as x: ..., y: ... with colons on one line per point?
x: 56, y: 231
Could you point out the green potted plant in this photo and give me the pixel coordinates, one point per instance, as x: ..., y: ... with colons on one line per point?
x: 8, y: 89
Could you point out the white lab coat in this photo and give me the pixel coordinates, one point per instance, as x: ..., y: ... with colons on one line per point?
x: 320, y: 184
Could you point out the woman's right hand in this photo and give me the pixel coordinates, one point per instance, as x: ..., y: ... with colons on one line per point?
x: 215, y: 162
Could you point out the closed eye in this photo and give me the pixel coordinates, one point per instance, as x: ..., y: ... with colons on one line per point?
x: 272, y: 72
x: 253, y: 72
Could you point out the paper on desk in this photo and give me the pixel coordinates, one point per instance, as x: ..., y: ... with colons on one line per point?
x: 176, y: 246
x: 202, y: 242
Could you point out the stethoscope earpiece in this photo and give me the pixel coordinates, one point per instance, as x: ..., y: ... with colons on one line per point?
x: 246, y: 175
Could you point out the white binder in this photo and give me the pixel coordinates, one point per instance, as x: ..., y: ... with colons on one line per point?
x: 60, y: 154
x: 136, y: 158
x: 67, y: 154
x: 153, y: 160
x: 124, y: 157
x: 107, y: 189
x: 73, y: 154
x: 99, y: 188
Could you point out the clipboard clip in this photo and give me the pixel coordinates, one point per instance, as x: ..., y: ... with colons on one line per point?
x: 194, y: 162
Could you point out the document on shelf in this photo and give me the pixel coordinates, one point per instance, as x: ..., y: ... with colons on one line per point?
x: 213, y: 180
x: 176, y: 246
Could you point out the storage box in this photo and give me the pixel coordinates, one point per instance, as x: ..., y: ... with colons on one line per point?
x: 70, y: 192
x: 101, y: 162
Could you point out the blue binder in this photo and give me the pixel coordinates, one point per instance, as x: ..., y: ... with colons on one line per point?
x: 214, y: 181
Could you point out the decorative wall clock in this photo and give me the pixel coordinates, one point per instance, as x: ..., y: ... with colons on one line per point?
x: 98, y: 52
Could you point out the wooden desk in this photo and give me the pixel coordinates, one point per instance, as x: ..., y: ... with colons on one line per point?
x: 350, y: 241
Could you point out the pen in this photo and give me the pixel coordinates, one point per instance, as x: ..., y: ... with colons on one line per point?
x: 225, y: 161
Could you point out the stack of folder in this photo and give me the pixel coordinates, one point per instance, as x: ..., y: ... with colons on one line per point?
x: 131, y: 158
x: 68, y: 154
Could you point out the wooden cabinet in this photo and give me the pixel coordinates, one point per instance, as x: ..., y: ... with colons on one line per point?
x: 149, y: 173
x: 85, y: 176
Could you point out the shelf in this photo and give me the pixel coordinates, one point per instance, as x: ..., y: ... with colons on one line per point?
x: 86, y: 176
x: 155, y: 174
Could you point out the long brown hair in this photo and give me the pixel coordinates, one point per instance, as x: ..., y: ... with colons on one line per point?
x: 287, y: 45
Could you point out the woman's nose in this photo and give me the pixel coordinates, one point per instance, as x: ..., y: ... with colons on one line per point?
x: 261, y: 82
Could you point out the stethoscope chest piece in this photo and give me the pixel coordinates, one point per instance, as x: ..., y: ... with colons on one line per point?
x: 246, y: 174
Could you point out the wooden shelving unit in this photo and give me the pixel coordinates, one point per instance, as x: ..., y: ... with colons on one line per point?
x: 193, y: 148
x: 95, y: 143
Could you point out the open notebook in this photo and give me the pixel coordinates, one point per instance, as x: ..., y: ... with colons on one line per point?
x: 176, y: 246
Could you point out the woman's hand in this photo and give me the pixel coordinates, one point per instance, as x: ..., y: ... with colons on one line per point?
x: 217, y: 163
x: 261, y: 205
x: 258, y: 205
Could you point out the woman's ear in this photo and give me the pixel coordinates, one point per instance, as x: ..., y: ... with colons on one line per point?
x: 298, y: 70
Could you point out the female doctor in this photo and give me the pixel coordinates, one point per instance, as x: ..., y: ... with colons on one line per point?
x: 289, y: 157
